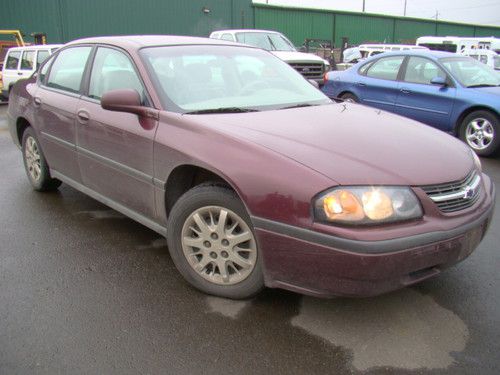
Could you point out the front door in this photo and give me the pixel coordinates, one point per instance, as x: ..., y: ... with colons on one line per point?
x: 115, y: 152
x: 422, y: 101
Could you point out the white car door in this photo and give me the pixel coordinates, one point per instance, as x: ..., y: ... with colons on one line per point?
x: 27, y: 65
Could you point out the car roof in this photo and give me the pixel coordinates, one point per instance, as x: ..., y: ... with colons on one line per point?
x: 232, y: 31
x: 38, y: 46
x: 139, y: 41
x: 434, y: 55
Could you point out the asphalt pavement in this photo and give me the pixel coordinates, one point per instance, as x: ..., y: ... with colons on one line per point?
x: 85, y: 290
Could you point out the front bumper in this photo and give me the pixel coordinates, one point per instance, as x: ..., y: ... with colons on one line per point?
x: 312, y: 263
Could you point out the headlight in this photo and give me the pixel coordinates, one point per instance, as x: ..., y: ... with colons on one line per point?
x: 367, y: 205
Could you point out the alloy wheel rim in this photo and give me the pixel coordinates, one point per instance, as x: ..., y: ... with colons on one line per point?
x: 479, y: 133
x: 219, y: 245
x: 32, y: 155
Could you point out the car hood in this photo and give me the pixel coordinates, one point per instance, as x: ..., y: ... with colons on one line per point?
x: 293, y: 56
x: 352, y: 144
x: 488, y: 90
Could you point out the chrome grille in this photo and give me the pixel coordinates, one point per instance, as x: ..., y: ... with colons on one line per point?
x: 309, y: 70
x: 455, y: 196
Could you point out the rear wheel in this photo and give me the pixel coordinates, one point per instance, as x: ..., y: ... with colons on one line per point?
x: 480, y: 130
x: 211, y: 241
x: 35, y: 163
x: 348, y: 97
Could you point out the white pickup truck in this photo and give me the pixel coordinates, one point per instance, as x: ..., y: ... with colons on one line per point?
x: 310, y: 66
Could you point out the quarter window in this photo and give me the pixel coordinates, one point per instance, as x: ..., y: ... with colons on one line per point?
x: 421, y: 70
x: 67, y: 70
x: 13, y: 60
x: 385, y: 68
x: 113, y: 70
x: 227, y: 37
x: 28, y: 60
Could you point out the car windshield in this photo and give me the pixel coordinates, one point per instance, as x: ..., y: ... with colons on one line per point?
x: 214, y: 78
x: 267, y: 41
x: 470, y: 72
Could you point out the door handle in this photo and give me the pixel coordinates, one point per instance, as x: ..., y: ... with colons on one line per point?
x: 37, y: 101
x: 360, y: 84
x: 405, y: 91
x: 19, y: 73
x: 83, y: 116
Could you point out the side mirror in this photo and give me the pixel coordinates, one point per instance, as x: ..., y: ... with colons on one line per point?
x: 314, y: 83
x: 129, y: 100
x: 123, y: 100
x: 440, y: 81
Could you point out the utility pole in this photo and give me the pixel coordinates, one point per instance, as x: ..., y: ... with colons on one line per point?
x: 404, y: 14
x: 363, y: 6
x: 436, y: 15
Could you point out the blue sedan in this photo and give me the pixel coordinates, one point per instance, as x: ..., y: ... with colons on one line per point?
x: 454, y: 93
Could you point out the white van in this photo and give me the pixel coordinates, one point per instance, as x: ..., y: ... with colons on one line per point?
x: 486, y: 56
x: 22, y: 62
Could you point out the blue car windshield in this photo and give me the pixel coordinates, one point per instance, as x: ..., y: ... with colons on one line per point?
x: 470, y: 72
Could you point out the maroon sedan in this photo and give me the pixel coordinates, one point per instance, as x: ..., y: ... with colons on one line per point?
x: 253, y: 175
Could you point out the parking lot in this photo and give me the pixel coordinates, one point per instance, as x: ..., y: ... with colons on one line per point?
x: 84, y: 290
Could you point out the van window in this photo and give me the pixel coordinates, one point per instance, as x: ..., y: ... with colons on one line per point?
x: 41, y: 57
x: 13, y: 60
x: 28, y: 60
x: 67, y: 70
x: 227, y: 37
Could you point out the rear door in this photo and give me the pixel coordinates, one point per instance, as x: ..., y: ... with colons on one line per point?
x: 27, y: 66
x: 11, y: 69
x: 115, y: 152
x: 55, y: 102
x: 421, y: 100
x: 378, y: 85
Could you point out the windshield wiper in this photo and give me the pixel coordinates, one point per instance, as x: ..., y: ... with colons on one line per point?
x: 483, y: 85
x: 299, y: 105
x: 271, y: 42
x: 222, y: 110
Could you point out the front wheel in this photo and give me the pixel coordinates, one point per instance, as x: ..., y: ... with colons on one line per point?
x: 35, y: 163
x: 480, y: 130
x: 212, y: 243
x: 350, y: 98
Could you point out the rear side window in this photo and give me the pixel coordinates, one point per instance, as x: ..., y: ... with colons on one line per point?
x: 13, y: 60
x: 113, y: 70
x: 67, y: 70
x: 385, y: 68
x: 41, y: 57
x: 28, y: 60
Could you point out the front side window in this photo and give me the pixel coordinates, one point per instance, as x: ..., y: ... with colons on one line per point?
x: 200, y: 77
x: 41, y: 57
x: 385, y: 68
x: 13, y: 60
x: 421, y: 70
x: 28, y: 60
x: 67, y: 70
x: 112, y: 70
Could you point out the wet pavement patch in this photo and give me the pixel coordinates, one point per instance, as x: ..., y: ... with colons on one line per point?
x: 226, y: 307
x: 406, y: 329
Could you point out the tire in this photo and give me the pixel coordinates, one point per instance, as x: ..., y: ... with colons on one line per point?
x: 35, y: 164
x: 198, y: 251
x: 480, y: 130
x: 348, y: 97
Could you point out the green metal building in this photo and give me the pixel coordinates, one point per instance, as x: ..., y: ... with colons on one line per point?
x: 65, y: 20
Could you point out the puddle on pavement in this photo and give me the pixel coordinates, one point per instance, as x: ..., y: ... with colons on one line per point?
x: 405, y: 329
x: 226, y: 307
x: 103, y: 214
